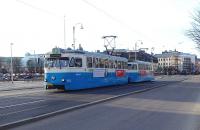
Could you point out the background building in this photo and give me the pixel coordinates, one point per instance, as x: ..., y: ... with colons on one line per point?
x: 176, y: 62
x: 5, y: 64
x: 29, y: 63
x: 133, y: 55
x: 33, y: 63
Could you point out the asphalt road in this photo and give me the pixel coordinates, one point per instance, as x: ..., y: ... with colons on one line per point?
x: 172, y: 107
x: 30, y: 99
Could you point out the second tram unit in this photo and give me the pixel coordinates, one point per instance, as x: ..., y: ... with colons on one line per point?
x: 139, y: 71
x: 80, y: 70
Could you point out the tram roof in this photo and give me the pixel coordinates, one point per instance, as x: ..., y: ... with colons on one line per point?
x: 90, y: 54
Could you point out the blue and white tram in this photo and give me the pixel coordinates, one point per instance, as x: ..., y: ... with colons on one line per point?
x: 140, y: 71
x: 80, y: 70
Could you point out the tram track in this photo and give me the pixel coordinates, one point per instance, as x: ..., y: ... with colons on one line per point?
x: 110, y: 95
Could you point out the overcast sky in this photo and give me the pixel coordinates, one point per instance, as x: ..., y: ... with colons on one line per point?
x: 39, y: 24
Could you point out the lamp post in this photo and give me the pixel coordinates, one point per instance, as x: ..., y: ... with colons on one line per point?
x: 64, y: 35
x: 11, y: 62
x: 136, y: 48
x: 152, y: 49
x: 74, y: 39
x: 35, y: 62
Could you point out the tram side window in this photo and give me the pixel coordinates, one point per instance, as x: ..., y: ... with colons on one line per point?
x: 150, y: 67
x: 78, y: 62
x: 89, y: 62
x: 147, y: 67
x: 118, y: 65
x: 102, y: 63
x: 122, y: 65
x: 129, y: 67
x: 134, y: 67
x: 115, y: 64
x: 143, y: 66
x: 97, y: 62
x: 111, y: 65
x: 94, y: 63
x: 126, y: 65
x: 106, y: 63
x: 75, y: 62
x: 140, y: 66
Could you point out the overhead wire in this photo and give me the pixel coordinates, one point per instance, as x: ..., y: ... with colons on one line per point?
x: 38, y: 8
x: 117, y: 20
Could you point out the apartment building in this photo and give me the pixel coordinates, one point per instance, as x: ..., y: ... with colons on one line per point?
x: 177, y: 61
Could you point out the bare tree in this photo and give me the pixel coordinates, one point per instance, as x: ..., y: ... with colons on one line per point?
x: 194, y: 32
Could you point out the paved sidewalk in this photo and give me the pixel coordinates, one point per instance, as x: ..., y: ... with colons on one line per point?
x: 7, y: 85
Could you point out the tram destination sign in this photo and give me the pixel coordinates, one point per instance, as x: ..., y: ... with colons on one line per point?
x: 55, y: 55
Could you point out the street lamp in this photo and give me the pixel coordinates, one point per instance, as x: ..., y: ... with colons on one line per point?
x: 152, y: 49
x: 11, y: 62
x: 136, y: 48
x: 74, y: 39
x: 35, y: 62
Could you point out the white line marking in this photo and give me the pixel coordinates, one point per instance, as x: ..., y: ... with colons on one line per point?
x: 22, y: 104
x: 23, y: 110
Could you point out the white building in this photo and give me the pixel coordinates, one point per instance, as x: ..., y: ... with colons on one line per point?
x: 187, y: 62
x: 177, y: 61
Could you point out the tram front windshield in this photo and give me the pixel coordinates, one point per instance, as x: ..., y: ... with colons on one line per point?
x: 57, y: 62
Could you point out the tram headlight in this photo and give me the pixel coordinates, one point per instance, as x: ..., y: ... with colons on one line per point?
x: 45, y: 80
x: 63, y: 80
x: 53, y: 77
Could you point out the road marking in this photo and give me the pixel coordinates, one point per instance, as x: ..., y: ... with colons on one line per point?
x: 22, y: 104
x: 11, y: 93
x: 68, y: 109
x: 23, y: 110
x: 54, y: 113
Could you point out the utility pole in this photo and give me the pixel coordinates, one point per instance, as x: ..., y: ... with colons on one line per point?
x: 152, y: 49
x: 35, y: 62
x: 73, y: 45
x: 135, y: 51
x: 11, y: 62
x: 74, y: 29
x: 64, y: 35
x: 136, y: 48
